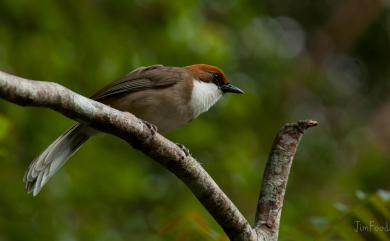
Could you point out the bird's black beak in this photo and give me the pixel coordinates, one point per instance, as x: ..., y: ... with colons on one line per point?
x: 229, y: 88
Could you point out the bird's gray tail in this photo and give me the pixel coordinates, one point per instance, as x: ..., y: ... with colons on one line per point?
x: 53, y: 158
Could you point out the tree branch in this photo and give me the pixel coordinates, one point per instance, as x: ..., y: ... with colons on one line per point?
x: 26, y: 92
x: 275, y: 177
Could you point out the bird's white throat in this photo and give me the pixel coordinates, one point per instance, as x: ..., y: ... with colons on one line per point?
x: 204, y: 95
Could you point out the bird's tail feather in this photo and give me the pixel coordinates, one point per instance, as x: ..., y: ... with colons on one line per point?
x: 54, y: 157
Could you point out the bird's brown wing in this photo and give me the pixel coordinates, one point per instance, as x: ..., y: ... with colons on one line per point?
x: 155, y: 76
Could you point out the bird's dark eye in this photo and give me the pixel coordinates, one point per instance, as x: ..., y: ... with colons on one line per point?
x: 217, y: 79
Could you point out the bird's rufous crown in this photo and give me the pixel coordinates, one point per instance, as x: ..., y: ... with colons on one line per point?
x: 206, y: 72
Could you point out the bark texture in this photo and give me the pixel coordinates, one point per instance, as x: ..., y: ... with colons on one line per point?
x: 275, y: 177
x: 26, y: 92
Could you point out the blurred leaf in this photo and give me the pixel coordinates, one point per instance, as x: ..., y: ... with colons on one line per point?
x: 4, y: 127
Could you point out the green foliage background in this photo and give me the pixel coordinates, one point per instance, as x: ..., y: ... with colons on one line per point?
x: 325, y: 60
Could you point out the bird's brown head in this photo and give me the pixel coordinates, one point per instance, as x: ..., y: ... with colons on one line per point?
x: 211, y: 74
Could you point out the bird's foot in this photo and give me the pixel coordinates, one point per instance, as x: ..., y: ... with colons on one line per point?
x: 153, y: 130
x: 184, y: 149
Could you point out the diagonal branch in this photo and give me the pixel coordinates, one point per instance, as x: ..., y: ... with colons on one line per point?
x: 26, y: 92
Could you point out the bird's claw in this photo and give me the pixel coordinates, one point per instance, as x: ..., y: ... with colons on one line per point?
x: 184, y: 149
x: 153, y: 128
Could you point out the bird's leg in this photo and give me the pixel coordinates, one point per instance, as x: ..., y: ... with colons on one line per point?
x: 153, y: 130
x: 184, y: 149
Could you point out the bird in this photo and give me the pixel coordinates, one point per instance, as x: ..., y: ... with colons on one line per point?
x: 165, y: 97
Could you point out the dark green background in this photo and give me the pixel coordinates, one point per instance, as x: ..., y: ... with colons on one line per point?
x: 325, y: 60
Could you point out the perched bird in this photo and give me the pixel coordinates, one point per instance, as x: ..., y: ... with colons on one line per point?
x: 165, y: 97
